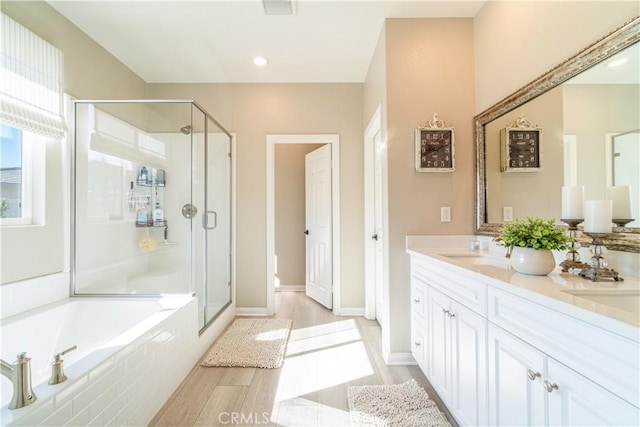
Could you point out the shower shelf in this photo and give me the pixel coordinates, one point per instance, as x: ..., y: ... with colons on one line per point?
x: 155, y: 224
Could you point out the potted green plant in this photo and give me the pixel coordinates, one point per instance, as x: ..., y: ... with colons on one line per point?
x: 531, y: 241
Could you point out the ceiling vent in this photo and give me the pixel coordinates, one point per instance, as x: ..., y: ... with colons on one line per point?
x: 278, y: 7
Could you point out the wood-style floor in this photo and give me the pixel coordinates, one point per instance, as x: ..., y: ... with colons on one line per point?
x: 325, y: 355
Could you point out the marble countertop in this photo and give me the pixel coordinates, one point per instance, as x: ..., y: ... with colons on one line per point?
x: 552, y: 290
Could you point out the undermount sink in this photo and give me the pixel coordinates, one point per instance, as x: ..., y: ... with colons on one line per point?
x: 623, y: 299
x: 476, y: 259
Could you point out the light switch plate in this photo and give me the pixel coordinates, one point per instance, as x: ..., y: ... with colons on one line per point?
x: 445, y: 214
x: 507, y: 213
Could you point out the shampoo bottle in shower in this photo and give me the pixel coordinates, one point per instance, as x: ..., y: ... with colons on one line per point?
x: 141, y: 216
x: 158, y: 214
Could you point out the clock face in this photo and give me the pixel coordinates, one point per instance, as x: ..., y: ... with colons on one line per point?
x: 436, y: 149
x: 523, y: 149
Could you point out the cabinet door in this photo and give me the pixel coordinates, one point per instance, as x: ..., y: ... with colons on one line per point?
x: 439, y: 351
x: 514, y: 398
x: 577, y: 401
x: 469, y: 366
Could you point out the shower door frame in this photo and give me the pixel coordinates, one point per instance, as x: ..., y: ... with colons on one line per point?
x: 73, y: 196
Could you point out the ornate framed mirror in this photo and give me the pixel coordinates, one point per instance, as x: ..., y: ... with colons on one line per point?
x: 558, y: 101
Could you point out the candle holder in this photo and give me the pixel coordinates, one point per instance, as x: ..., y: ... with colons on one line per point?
x: 573, y: 257
x: 621, y: 222
x: 597, y: 269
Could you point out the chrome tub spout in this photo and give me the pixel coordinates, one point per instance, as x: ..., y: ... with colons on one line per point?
x: 20, y: 375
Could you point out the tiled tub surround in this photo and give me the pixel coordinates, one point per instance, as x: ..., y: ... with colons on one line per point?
x: 478, y: 328
x: 131, y: 356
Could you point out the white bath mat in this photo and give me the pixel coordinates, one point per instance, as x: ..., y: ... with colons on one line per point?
x: 399, y: 405
x: 258, y: 343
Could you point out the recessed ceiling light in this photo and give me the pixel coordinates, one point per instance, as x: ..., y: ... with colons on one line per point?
x: 617, y: 62
x: 260, y: 61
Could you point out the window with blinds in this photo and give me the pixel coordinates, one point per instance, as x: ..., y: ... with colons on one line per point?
x: 31, y: 113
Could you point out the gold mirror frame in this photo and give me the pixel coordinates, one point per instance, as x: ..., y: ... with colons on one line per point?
x: 624, y: 238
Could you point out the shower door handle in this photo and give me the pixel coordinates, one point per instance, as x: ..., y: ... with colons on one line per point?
x: 215, y: 220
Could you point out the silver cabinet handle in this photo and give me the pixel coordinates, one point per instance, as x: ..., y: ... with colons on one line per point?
x: 215, y: 220
x: 532, y: 374
x: 550, y: 386
x: 417, y: 344
x: 448, y: 313
x: 416, y: 300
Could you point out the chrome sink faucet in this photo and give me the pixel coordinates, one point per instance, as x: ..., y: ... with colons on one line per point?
x: 19, y: 372
x: 509, y: 248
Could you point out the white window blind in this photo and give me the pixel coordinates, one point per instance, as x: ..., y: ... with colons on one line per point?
x: 31, y: 91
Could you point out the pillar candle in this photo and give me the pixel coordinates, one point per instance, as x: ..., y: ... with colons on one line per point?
x: 597, y: 216
x: 620, y: 196
x: 572, y: 202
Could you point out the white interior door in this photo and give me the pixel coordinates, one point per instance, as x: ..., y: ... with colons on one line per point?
x: 319, y: 248
x: 378, y: 224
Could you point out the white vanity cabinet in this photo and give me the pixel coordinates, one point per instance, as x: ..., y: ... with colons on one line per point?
x: 500, y: 357
x: 528, y: 386
x: 452, y: 353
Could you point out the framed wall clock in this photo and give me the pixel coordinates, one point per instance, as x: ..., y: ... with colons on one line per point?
x: 434, y: 145
x: 521, y: 147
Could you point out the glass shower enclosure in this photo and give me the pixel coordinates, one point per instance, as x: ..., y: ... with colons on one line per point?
x: 151, y: 202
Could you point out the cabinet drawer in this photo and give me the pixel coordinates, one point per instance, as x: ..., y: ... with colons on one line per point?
x: 419, y: 343
x: 607, y: 359
x: 418, y: 298
x: 469, y: 292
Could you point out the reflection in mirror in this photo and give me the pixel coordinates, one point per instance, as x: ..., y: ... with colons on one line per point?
x: 625, y: 170
x: 589, y: 111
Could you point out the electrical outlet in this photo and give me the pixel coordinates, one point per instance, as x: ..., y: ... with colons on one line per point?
x: 507, y: 214
x: 445, y: 214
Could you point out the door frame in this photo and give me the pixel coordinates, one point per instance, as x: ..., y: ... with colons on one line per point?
x: 334, y: 140
x: 375, y: 126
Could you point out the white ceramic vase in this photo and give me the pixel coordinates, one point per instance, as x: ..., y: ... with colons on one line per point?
x: 536, y: 262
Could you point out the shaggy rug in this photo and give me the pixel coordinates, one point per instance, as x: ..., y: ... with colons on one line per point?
x: 258, y: 343
x: 399, y: 405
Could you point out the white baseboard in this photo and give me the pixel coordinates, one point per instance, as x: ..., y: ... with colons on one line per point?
x: 291, y: 288
x: 395, y: 359
x: 251, y: 311
x: 350, y: 311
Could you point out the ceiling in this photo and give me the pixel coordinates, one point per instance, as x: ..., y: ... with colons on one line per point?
x: 215, y: 40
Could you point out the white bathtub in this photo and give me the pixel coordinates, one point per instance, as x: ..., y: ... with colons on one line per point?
x: 127, y: 352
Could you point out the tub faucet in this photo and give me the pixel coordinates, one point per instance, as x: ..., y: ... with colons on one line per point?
x: 19, y: 372
x: 57, y: 373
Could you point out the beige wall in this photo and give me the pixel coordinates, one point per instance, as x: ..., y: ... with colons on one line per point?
x: 429, y: 68
x: 262, y: 109
x: 515, y: 42
x: 290, y: 219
